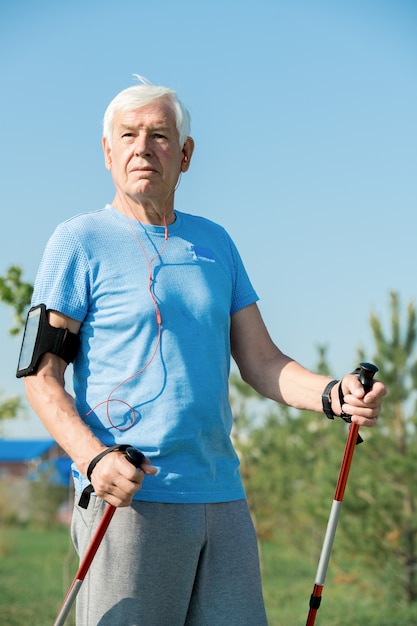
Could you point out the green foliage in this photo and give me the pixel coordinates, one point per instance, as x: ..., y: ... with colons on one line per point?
x: 387, y: 490
x: 46, y: 499
x: 285, y: 454
x: 17, y: 294
x: 9, y: 407
x: 291, y: 460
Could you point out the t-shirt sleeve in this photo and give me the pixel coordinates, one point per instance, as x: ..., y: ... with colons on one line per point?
x: 63, y: 279
x: 243, y: 292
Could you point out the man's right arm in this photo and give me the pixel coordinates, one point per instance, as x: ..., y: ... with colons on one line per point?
x: 114, y: 478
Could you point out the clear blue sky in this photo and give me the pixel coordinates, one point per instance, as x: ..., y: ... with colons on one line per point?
x: 304, y: 117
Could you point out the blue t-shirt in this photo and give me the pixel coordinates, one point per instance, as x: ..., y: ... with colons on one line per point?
x: 153, y: 365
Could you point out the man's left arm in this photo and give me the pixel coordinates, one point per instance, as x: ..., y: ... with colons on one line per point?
x: 277, y: 376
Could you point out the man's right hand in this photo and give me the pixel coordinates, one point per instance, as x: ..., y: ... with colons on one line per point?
x: 116, y: 480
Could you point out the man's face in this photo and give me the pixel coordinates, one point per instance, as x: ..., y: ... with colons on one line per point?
x: 145, y: 157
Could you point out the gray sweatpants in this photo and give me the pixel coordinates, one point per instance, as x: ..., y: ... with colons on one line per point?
x: 170, y: 565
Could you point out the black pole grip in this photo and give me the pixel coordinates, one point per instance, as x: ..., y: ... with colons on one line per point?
x: 135, y: 456
x: 365, y: 374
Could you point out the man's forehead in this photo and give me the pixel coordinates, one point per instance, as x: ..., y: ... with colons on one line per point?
x: 155, y: 114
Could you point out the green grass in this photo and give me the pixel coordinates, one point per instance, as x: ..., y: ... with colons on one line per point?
x: 352, y: 596
x: 32, y: 575
x: 35, y: 576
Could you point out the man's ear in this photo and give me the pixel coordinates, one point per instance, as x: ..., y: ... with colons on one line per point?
x: 187, y: 153
x: 107, y: 152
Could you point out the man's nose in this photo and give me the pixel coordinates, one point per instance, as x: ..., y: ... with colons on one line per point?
x: 142, y: 145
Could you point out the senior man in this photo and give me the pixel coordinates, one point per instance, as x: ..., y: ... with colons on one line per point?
x: 151, y: 303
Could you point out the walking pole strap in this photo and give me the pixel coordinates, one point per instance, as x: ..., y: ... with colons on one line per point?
x: 86, y: 494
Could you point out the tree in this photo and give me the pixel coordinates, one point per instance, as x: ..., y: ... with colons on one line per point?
x: 288, y: 460
x: 290, y: 463
x: 9, y: 407
x: 386, y: 489
x: 15, y: 293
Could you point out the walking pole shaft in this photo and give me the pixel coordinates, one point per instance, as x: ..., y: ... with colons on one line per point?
x: 136, y: 458
x: 85, y: 565
x: 365, y: 374
x: 346, y: 462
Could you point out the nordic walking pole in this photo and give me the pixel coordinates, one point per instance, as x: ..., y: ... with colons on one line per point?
x: 365, y: 373
x: 136, y: 458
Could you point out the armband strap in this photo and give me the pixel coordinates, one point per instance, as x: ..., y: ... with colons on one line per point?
x: 85, y: 496
x: 326, y: 399
x: 40, y: 337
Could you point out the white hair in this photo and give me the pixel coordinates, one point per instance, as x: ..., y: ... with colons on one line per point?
x: 140, y: 95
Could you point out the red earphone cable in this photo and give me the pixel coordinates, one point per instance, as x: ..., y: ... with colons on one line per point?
x: 149, y: 262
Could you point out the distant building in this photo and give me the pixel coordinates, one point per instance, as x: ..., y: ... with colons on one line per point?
x: 24, y: 458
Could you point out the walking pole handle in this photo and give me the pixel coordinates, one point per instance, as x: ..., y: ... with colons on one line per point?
x: 135, y: 456
x: 365, y: 374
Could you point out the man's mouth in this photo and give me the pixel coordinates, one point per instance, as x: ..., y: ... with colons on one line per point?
x: 144, y: 170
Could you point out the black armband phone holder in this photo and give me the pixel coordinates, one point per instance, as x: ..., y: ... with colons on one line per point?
x: 40, y: 337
